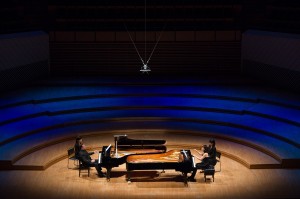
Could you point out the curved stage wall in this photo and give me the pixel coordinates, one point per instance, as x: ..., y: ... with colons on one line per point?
x: 244, y: 113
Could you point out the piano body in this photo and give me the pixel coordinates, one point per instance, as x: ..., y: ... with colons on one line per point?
x: 124, y: 147
x: 179, y: 160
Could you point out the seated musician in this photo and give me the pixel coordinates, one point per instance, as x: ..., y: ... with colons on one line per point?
x: 212, y: 152
x: 207, y: 158
x: 77, y: 146
x: 203, y: 153
x: 86, y: 160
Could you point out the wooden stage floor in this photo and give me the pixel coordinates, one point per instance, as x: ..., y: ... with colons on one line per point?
x: 234, y: 181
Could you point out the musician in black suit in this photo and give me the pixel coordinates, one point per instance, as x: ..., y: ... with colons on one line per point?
x: 207, y: 158
x: 212, y: 152
x: 85, y: 158
x: 77, y: 146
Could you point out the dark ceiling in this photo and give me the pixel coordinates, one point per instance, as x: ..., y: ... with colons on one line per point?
x: 26, y: 15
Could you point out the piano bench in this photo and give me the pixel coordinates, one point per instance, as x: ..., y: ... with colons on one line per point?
x: 209, y: 172
x: 82, y: 168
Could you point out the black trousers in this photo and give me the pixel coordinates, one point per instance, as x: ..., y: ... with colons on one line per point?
x: 97, y: 166
x: 202, y: 166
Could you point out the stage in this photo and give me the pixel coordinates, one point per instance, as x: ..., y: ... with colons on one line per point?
x: 234, y: 181
x: 256, y: 128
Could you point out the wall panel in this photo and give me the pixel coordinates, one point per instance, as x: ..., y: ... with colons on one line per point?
x: 180, y: 52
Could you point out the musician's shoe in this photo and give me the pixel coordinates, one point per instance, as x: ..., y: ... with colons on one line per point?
x: 101, y: 175
x: 191, y: 179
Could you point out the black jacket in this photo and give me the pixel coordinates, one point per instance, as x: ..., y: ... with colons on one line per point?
x: 85, y: 157
x: 212, y: 156
x: 77, y: 148
x: 212, y: 152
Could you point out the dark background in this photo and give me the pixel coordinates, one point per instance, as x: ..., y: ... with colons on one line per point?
x: 198, y: 37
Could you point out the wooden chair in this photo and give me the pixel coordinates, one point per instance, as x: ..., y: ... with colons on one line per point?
x: 218, y: 156
x: 71, y: 156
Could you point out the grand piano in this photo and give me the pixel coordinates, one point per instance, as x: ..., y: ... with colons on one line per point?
x: 124, y: 147
x: 179, y: 160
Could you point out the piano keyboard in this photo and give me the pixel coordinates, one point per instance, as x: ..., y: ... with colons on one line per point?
x: 99, y: 158
x: 194, y: 164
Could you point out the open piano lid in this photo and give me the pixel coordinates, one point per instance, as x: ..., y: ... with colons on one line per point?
x: 124, y: 140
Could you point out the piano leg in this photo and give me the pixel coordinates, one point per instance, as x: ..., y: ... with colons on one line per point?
x: 185, y: 178
x: 108, y: 171
x: 128, y: 177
